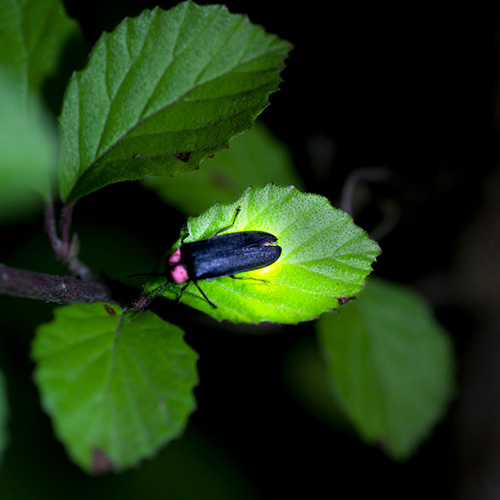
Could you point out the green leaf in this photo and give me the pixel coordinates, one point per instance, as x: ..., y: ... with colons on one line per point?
x: 33, y: 36
x: 306, y: 377
x: 28, y: 143
x: 391, y: 364
x: 162, y: 92
x: 253, y: 159
x: 4, y: 415
x: 325, y: 258
x: 117, y: 385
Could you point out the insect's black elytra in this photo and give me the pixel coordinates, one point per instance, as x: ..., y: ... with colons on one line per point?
x: 221, y: 255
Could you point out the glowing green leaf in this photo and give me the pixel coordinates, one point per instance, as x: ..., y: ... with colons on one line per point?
x: 390, y: 364
x: 117, y: 385
x: 325, y: 258
x: 162, y: 92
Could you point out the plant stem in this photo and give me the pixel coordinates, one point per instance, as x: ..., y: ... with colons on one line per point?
x: 66, y: 248
x: 50, y: 227
x: 67, y: 213
x: 355, y: 178
x: 49, y: 288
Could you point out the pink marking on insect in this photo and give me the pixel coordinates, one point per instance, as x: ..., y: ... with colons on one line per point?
x: 177, y: 269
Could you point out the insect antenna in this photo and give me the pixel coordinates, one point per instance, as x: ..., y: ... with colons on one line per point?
x: 154, y: 275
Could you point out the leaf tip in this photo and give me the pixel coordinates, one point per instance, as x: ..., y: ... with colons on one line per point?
x: 345, y: 300
x: 101, y: 463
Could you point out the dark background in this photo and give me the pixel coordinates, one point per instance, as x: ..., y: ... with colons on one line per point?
x: 411, y: 90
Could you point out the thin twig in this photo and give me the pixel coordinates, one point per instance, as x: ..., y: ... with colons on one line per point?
x: 372, y: 174
x: 67, y: 213
x: 50, y: 227
x: 67, y: 247
x: 49, y: 288
x: 391, y: 216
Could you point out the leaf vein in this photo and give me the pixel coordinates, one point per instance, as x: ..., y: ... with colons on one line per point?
x: 135, y: 408
x: 215, y: 56
x: 107, y: 38
x: 174, y: 59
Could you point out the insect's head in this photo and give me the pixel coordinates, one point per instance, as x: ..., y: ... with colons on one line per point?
x: 176, y: 268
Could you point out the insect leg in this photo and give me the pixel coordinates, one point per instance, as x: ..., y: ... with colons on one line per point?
x: 182, y: 291
x: 238, y: 210
x: 203, y: 293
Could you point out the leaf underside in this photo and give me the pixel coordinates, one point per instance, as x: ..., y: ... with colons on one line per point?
x: 254, y: 158
x: 390, y: 363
